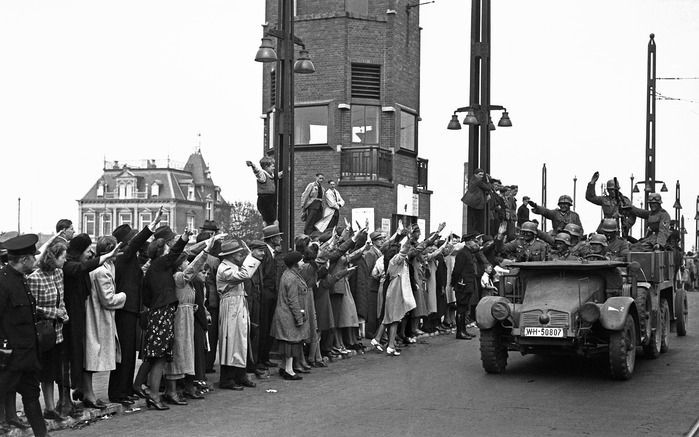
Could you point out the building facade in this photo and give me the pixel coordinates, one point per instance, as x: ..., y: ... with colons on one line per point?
x: 356, y: 117
x: 132, y: 192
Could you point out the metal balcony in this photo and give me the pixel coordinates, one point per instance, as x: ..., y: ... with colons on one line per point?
x: 369, y: 163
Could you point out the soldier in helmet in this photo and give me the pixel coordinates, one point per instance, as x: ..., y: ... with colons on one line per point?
x: 657, y: 224
x: 527, y: 247
x: 561, y: 250
x: 613, y: 203
x: 598, y: 247
x: 617, y: 248
x: 560, y: 216
x: 578, y: 245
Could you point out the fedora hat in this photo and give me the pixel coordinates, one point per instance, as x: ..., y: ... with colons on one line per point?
x: 209, y: 225
x: 229, y: 247
x: 270, y: 231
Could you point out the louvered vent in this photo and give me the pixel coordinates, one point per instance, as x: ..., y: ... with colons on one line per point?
x: 366, y: 81
x: 273, y: 87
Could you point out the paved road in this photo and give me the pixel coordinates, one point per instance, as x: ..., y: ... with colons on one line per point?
x: 439, y: 389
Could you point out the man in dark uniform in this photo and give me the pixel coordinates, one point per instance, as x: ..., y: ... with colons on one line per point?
x: 525, y: 248
x: 19, y: 363
x: 657, y: 224
x: 464, y: 279
x: 613, y: 204
x: 617, y: 248
x: 523, y: 212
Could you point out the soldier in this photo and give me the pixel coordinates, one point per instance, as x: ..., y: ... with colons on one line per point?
x: 561, y: 251
x: 598, y: 247
x: 579, y: 247
x: 613, y: 204
x: 617, y: 248
x: 657, y: 224
x: 560, y: 216
x: 527, y: 247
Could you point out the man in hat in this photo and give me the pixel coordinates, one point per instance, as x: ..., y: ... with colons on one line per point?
x: 312, y: 203
x: 237, y: 266
x: 613, y: 203
x: 253, y: 289
x: 657, y: 224
x: 128, y: 279
x: 267, y: 282
x: 475, y: 198
x: 371, y: 255
x: 526, y: 247
x: 463, y: 279
x: 560, y: 216
x: 331, y: 212
x: 617, y: 248
x: 19, y: 355
x: 523, y: 212
x: 209, y: 228
x: 266, y: 189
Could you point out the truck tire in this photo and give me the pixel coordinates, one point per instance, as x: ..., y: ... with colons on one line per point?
x: 622, y: 351
x: 493, y: 351
x: 653, y: 347
x: 664, y: 325
x: 681, y: 312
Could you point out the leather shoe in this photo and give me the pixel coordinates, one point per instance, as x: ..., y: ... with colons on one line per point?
x: 194, y: 395
x: 54, y: 415
x: 132, y: 397
x: 173, y: 399
x: 299, y: 370
x: 231, y: 386
x: 18, y: 423
x: 247, y: 383
x: 270, y: 364
x: 294, y: 377
x: 125, y: 401
x: 138, y: 391
x: 96, y: 404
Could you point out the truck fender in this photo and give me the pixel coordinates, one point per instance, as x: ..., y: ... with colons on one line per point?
x: 484, y: 318
x: 614, y: 311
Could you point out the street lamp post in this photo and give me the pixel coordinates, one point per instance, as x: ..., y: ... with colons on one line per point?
x: 284, y: 108
x: 631, y: 200
x: 696, y: 226
x: 575, y: 191
x: 543, y: 194
x: 650, y: 120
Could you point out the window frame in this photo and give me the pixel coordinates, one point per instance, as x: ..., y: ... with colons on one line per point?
x: 328, y: 117
x: 89, y: 217
x: 103, y: 221
x: 122, y: 221
x: 364, y: 143
x: 400, y: 131
x: 142, y: 221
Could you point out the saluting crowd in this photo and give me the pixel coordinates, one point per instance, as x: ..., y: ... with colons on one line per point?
x: 179, y: 302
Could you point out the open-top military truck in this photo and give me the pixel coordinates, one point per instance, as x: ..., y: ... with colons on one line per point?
x: 585, y: 308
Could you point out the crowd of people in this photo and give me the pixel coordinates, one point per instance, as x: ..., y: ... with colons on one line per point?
x: 75, y: 307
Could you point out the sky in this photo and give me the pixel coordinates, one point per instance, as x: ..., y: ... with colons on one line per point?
x: 85, y: 80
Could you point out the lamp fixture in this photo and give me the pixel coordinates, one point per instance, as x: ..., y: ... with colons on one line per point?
x: 266, y: 51
x: 663, y: 189
x: 303, y: 64
x: 491, y: 126
x: 505, y: 120
x: 454, y: 123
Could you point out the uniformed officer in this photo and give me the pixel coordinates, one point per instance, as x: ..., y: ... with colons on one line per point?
x: 561, y: 251
x: 19, y: 369
x: 464, y: 280
x: 527, y: 247
x: 657, y: 224
x: 617, y: 248
x: 560, y: 216
x: 578, y: 245
x: 612, y: 204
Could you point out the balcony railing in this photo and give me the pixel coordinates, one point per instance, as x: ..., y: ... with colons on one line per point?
x: 134, y: 195
x: 422, y: 174
x: 144, y: 163
x: 366, y: 164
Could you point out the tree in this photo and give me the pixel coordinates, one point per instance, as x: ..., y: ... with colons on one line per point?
x: 246, y: 222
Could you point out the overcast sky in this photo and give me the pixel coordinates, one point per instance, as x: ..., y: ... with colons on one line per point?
x: 86, y: 79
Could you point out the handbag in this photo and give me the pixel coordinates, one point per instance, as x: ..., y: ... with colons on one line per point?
x: 46, y: 334
x: 5, y: 354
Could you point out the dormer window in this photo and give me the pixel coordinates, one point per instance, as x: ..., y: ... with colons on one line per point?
x: 100, y: 189
x: 155, y: 189
x: 190, y: 192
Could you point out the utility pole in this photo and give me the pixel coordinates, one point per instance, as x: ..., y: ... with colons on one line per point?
x: 543, y: 195
x: 650, y: 121
x: 19, y: 208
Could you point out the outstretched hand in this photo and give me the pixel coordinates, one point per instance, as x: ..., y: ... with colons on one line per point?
x: 595, y: 177
x: 441, y: 227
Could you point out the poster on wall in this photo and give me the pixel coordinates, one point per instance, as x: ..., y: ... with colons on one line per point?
x: 386, y: 225
x: 405, y: 202
x: 361, y: 216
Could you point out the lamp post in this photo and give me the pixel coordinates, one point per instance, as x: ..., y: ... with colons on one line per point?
x: 284, y: 108
x: 575, y: 190
x: 696, y: 226
x: 478, y: 117
x: 543, y: 194
x: 650, y: 120
x: 631, y: 200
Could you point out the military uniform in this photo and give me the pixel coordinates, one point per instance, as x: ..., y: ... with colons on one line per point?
x: 558, y: 218
x: 657, y: 226
x: 580, y: 250
x: 17, y: 327
x: 522, y: 250
x: 618, y: 248
x: 611, y: 207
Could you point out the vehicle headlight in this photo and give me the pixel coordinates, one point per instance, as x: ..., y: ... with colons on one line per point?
x: 500, y: 311
x: 590, y: 312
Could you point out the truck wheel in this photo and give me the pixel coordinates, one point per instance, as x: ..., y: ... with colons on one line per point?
x: 664, y: 326
x: 653, y: 347
x: 681, y: 312
x: 622, y: 351
x: 493, y: 351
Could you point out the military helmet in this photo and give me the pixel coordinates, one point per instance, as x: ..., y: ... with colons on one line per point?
x: 529, y: 227
x: 611, y: 185
x: 598, y: 239
x: 565, y: 199
x: 655, y: 198
x: 574, y: 230
x: 562, y: 236
x: 609, y: 225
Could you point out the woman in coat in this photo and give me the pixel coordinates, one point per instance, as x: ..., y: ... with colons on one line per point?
x: 160, y: 297
x: 77, y: 285
x: 182, y: 364
x: 102, y: 350
x: 46, y: 285
x: 290, y: 322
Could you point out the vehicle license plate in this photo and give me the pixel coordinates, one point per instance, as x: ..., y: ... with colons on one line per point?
x: 543, y: 332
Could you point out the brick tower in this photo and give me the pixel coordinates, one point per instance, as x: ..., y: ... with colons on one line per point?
x: 356, y: 117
